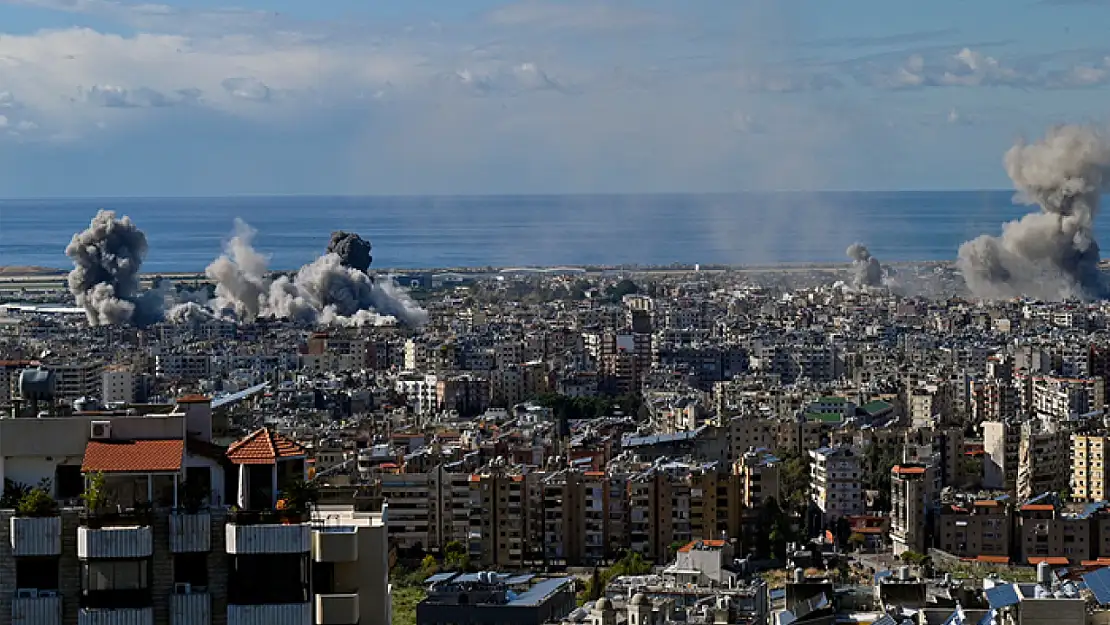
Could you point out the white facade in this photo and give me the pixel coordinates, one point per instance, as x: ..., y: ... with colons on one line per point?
x: 118, y: 385
x: 836, y: 482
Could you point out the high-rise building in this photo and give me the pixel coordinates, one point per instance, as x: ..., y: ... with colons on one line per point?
x: 912, y: 488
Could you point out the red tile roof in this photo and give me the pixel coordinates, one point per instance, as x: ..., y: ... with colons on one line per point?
x: 989, y: 559
x: 714, y: 544
x: 900, y: 470
x: 147, y: 456
x: 1038, y: 507
x: 264, y: 446
x: 194, y: 399
x: 1053, y: 560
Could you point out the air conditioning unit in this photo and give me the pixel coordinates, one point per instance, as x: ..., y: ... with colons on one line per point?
x: 48, y: 593
x: 26, y: 593
x: 183, y: 588
x: 101, y: 430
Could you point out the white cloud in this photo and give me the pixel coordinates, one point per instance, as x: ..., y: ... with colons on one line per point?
x: 973, y: 68
x: 3, y: 121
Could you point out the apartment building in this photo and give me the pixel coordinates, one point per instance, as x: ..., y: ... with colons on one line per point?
x: 1047, y: 529
x: 9, y: 379
x: 505, y: 516
x: 975, y: 528
x: 183, y: 367
x: 1090, y: 470
x: 76, y: 379
x: 836, y: 482
x: 758, y: 474
x: 169, y: 551
x: 1060, y: 398
x: 118, y: 384
x: 912, y: 487
x: 1044, y: 458
x: 1001, y: 442
x: 467, y: 395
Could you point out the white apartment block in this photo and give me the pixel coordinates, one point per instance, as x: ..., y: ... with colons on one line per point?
x: 836, y: 485
x: 118, y: 384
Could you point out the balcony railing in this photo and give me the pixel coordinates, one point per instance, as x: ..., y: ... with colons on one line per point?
x: 267, y: 517
x: 36, y: 536
x: 337, y: 609
x: 39, y: 610
x: 269, y: 614
x: 115, y: 542
x: 120, y: 616
x: 126, y: 518
x: 190, y: 532
x: 193, y: 608
x: 335, y: 544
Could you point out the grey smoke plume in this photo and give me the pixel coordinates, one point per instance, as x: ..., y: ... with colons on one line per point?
x: 107, y: 257
x: 1052, y: 254
x: 353, y: 250
x: 325, y: 291
x: 868, y: 271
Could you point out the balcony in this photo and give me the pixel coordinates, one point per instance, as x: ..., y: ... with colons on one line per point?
x: 36, y: 536
x: 118, y: 616
x: 268, y: 532
x: 190, y: 533
x: 335, y: 544
x: 193, y: 608
x: 270, y: 614
x: 38, y: 610
x: 337, y: 609
x: 114, y: 536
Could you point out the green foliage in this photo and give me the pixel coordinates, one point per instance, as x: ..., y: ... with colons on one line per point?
x: 856, y: 540
x: 632, y: 563
x: 617, y: 292
x: 773, y: 531
x: 37, y: 502
x: 405, y: 596
x: 94, y: 496
x: 794, y: 483
x: 455, y: 556
x: 192, y: 496
x: 300, y: 495
x: 14, y: 492
x: 913, y: 557
x: 429, y: 565
x: 876, y: 476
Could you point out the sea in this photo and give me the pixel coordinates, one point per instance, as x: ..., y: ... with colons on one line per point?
x: 185, y: 234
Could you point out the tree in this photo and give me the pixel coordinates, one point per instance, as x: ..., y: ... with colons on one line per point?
x: 856, y: 540
x: 794, y: 480
x: 429, y: 566
x: 594, y: 587
x: 455, y: 557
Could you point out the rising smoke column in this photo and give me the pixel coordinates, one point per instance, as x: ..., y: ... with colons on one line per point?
x: 868, y: 271
x: 353, y: 250
x: 1050, y: 255
x: 107, y: 257
x: 330, y: 290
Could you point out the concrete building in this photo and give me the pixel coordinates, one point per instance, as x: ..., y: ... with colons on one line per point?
x: 836, y: 482
x: 912, y: 487
x: 118, y: 384
x: 489, y: 598
x: 169, y: 551
x: 975, y: 528
x: 1090, y: 468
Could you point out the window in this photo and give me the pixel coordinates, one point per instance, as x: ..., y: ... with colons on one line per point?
x: 38, y: 573
x: 191, y: 568
x: 68, y: 482
x: 115, y: 575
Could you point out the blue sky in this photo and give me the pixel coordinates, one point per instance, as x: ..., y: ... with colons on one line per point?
x: 109, y: 98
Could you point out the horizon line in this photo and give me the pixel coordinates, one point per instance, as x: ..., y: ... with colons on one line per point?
x: 22, y: 198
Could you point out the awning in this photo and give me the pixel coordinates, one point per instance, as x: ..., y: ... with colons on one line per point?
x: 144, y: 456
